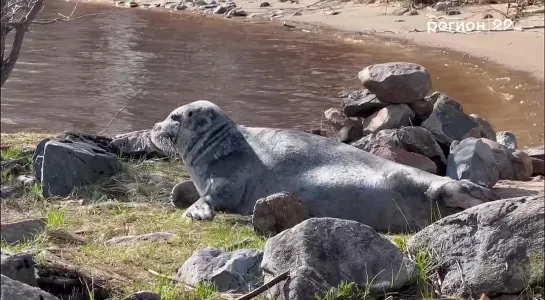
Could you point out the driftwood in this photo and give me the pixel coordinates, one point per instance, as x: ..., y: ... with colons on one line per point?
x: 266, y: 286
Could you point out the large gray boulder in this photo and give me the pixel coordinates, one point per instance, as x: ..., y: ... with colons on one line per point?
x: 390, y: 117
x: 18, y: 266
x: 494, y: 248
x: 323, y: 252
x: 448, y: 124
x: 361, y: 103
x: 412, y: 139
x: 136, y: 144
x: 396, y: 82
x: 473, y: 160
x: 66, y: 164
x: 16, y: 290
x: 237, y: 271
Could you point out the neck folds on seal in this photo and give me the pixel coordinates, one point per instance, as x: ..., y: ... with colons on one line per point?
x: 220, y: 140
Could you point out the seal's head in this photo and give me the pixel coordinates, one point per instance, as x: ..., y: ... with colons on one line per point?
x: 188, y: 126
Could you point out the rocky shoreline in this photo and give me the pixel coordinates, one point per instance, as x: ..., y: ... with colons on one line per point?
x: 395, y: 116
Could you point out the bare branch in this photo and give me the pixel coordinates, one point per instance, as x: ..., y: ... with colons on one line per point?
x: 11, y: 21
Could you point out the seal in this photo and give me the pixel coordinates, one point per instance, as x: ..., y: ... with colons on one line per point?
x: 232, y: 166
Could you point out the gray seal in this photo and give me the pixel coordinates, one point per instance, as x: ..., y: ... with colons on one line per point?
x: 232, y: 166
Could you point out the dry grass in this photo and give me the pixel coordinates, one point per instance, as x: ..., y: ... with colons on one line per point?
x: 23, y: 139
x: 133, y: 202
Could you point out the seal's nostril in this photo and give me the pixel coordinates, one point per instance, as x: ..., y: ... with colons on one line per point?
x: 175, y: 118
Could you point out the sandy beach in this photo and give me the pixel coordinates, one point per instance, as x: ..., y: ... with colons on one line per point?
x: 518, y: 50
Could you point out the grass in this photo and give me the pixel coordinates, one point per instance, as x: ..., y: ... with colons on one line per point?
x: 133, y: 202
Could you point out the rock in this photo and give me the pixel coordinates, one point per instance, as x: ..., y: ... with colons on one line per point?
x: 452, y: 12
x: 473, y: 160
x: 536, y: 152
x: 237, y: 271
x: 19, y: 231
x: 181, y: 7
x: 360, y: 103
x: 498, y: 245
x: 144, y: 295
x: 136, y: 143
x: 13, y: 163
x: 522, y: 165
x: 238, y: 13
x: 7, y: 191
x: 323, y: 252
x: 319, y: 132
x: 486, y: 128
x: 264, y: 4
x: 412, y: 12
x: 37, y: 158
x: 131, y: 4
x: 27, y: 180
x: 276, y: 213
x: 406, y: 158
x: 396, y: 82
x: 448, y: 124
x: 68, y: 164
x: 400, y: 11
x: 338, y: 119
x: 411, y: 139
x: 14, y: 290
x: 538, y: 178
x: 18, y: 267
x: 538, y: 166
x: 134, y: 239
x: 507, y: 139
x: 390, y: 117
x: 436, y: 96
x: 220, y: 10
x: 349, y: 133
x: 503, y: 158
x: 487, y: 16
x: 442, y: 5
x: 63, y: 237
x: 422, y: 107
x: 184, y: 194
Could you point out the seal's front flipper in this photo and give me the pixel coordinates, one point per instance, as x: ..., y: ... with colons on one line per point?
x: 200, y: 210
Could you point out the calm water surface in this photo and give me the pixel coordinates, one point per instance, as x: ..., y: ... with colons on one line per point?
x: 77, y: 75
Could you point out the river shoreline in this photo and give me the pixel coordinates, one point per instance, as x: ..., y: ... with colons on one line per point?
x: 515, y: 50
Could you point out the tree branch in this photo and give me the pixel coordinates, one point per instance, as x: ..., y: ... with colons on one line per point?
x: 21, y: 28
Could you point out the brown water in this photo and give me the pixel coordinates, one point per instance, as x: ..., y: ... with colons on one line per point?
x: 77, y: 75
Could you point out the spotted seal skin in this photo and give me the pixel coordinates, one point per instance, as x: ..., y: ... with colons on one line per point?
x: 232, y: 166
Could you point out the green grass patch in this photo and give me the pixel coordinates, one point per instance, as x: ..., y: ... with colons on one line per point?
x: 55, y: 218
x: 12, y: 153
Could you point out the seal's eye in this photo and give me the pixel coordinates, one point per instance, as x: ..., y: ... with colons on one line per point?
x: 189, y: 114
x: 175, y: 118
